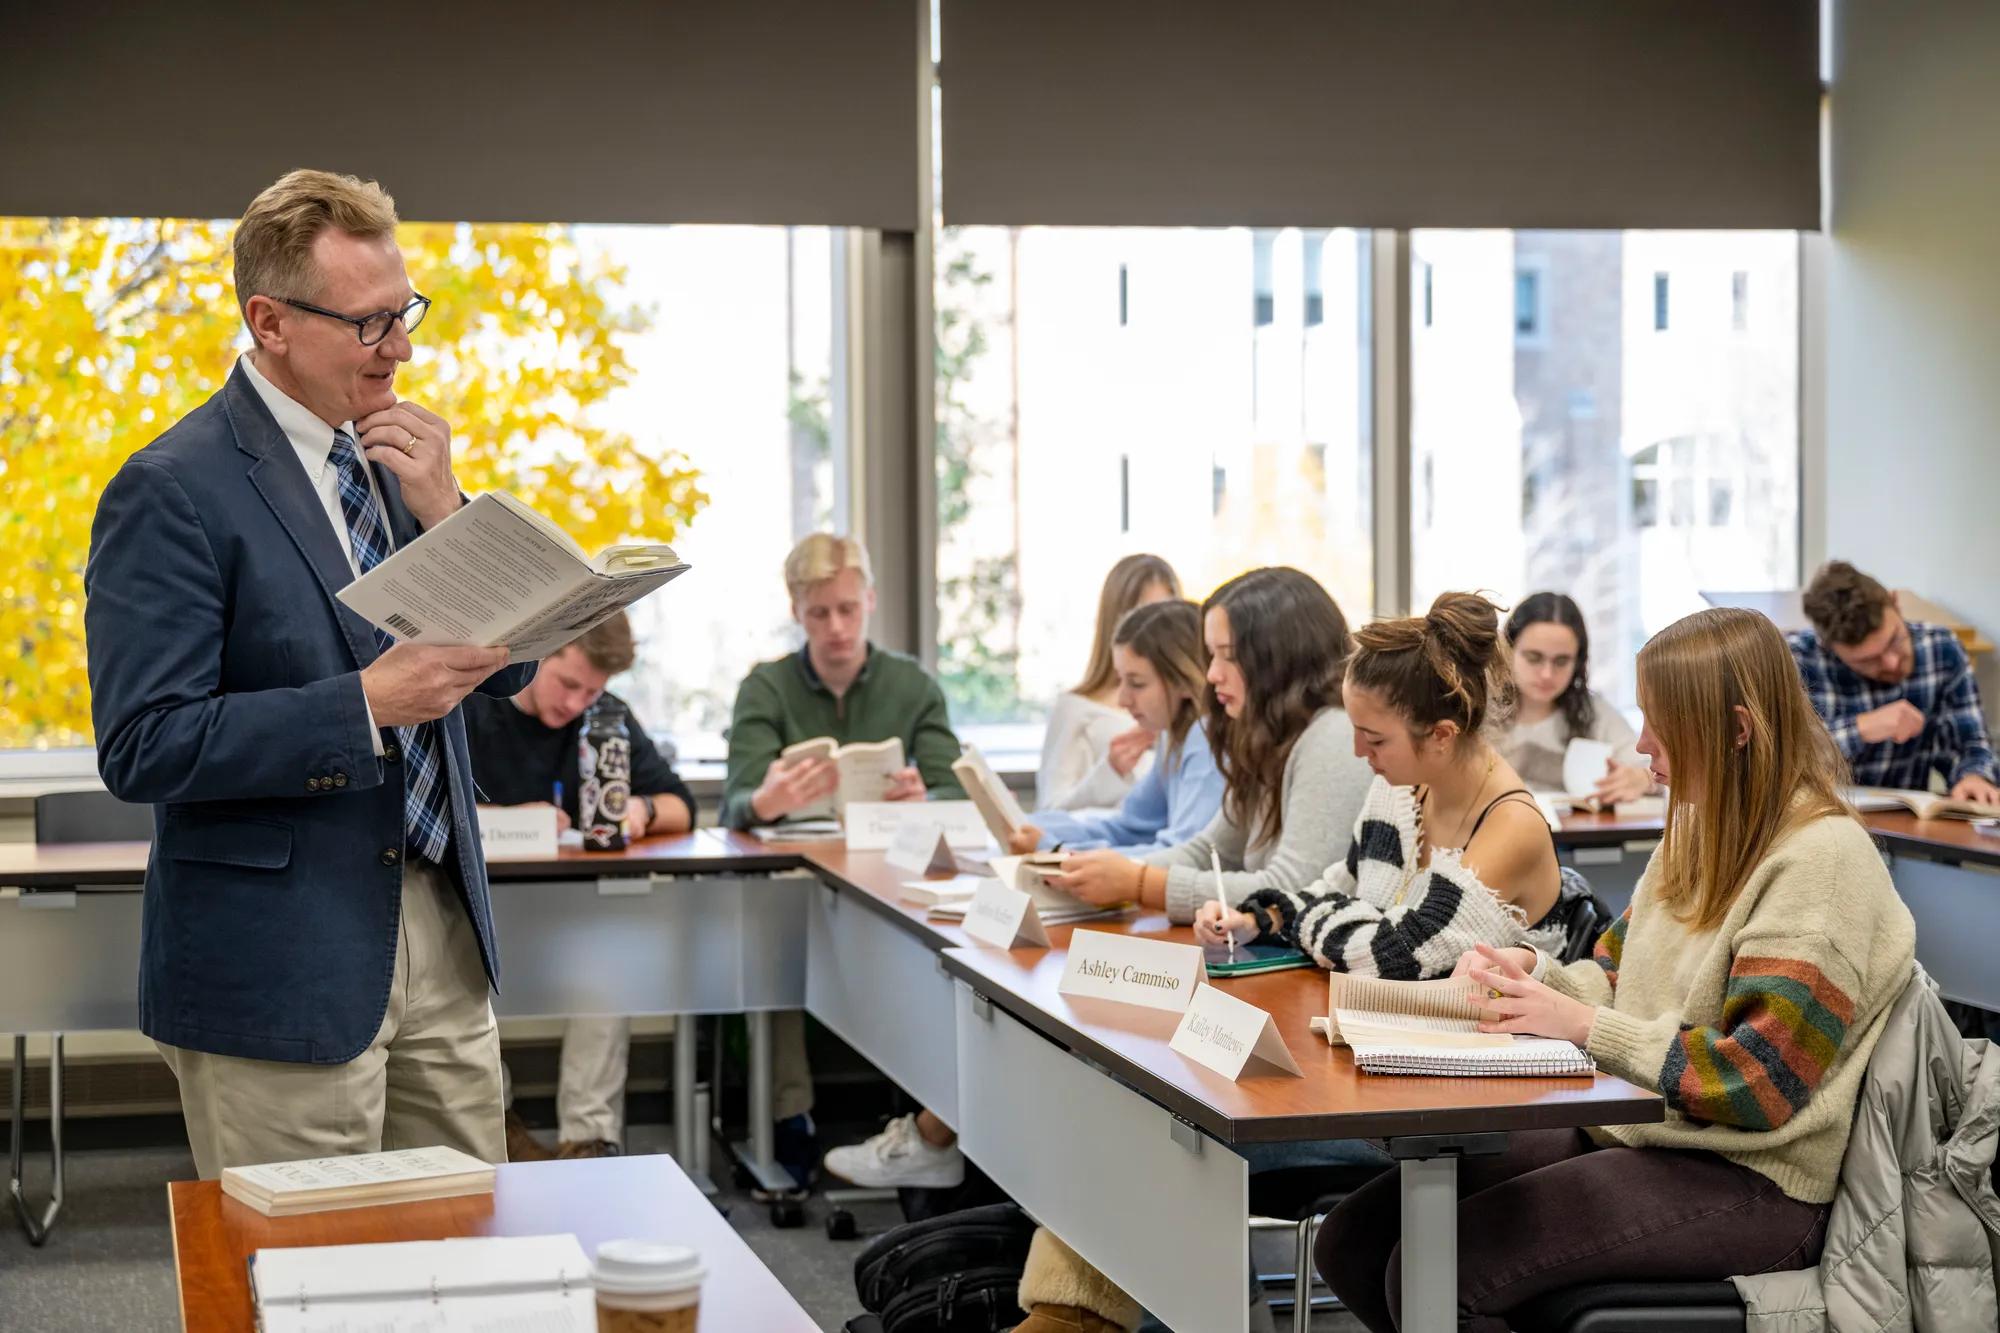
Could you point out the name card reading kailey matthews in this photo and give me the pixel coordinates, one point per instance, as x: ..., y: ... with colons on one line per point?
x: 1152, y: 973
x: 1226, y: 1034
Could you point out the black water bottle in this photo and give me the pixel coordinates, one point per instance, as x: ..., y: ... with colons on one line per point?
x: 604, y: 758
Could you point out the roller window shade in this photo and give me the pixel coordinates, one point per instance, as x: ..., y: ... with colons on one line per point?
x: 742, y: 111
x: 1392, y: 113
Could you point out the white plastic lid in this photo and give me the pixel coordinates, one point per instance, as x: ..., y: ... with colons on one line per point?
x: 646, y: 1267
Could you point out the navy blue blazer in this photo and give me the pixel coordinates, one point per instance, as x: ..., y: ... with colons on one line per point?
x: 226, y: 691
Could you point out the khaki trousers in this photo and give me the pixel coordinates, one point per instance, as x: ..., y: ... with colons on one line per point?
x: 590, y: 1092
x: 431, y: 1076
x: 791, y: 1074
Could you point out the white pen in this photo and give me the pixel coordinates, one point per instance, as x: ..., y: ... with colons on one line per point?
x: 1221, y: 900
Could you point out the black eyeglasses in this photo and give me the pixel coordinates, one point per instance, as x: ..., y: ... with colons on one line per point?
x: 372, y: 329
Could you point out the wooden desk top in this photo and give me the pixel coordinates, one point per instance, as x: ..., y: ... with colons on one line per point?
x: 1949, y: 840
x: 1333, y: 1100
x: 596, y: 1200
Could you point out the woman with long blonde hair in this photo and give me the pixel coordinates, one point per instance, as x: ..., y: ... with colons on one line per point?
x: 1091, y: 751
x: 1747, y: 983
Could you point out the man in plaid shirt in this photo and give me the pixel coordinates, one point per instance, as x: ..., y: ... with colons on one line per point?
x: 1898, y: 697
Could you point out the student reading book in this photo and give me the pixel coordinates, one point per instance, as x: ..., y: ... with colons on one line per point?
x: 1747, y: 983
x: 1550, y: 649
x: 841, y: 686
x: 1157, y: 652
x: 863, y: 771
x: 1091, y: 754
x: 1898, y: 695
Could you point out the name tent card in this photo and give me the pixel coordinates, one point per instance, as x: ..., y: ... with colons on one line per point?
x: 517, y: 832
x: 1151, y: 973
x: 872, y: 825
x: 1226, y: 1034
x: 1004, y: 917
x: 922, y: 848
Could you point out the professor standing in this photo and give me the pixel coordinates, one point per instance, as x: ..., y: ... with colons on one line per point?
x: 317, y: 945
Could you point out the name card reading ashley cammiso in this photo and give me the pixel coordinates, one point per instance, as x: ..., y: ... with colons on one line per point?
x: 1152, y: 973
x: 922, y: 848
x: 1004, y: 917
x: 1226, y: 1034
x: 872, y: 825
x: 517, y: 832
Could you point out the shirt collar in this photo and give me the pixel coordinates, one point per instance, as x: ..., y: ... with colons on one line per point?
x: 311, y: 437
x: 812, y: 676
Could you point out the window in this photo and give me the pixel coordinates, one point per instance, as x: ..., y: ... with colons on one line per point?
x: 629, y: 382
x: 1313, y: 247
x: 1263, y: 292
x: 1528, y: 304
x: 1124, y: 295
x: 1233, y: 442
x: 1739, y: 300
x: 1628, y: 471
x: 1424, y: 291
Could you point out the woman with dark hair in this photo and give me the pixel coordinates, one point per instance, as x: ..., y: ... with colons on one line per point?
x: 1551, y: 650
x: 1277, y: 646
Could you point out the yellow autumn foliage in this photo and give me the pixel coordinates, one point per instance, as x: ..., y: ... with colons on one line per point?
x: 113, y: 329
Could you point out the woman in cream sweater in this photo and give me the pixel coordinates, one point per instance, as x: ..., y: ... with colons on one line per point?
x: 1746, y: 983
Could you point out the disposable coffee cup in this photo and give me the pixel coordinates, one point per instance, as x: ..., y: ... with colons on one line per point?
x: 644, y: 1286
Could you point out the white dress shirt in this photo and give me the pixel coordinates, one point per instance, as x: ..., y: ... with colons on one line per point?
x: 312, y: 440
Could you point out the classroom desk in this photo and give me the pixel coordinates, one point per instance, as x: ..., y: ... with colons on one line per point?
x: 596, y: 1200
x: 1947, y: 872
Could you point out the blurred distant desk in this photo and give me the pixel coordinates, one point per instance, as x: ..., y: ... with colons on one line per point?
x: 1947, y: 871
x: 607, y: 1198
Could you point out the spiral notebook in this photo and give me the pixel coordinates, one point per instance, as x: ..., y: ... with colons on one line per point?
x: 1432, y: 1028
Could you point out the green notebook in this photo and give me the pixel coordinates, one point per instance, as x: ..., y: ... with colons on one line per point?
x: 1251, y: 959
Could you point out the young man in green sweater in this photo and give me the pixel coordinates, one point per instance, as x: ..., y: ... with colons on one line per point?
x: 838, y: 685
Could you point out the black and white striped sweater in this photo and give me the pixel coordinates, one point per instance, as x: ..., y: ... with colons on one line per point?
x: 1351, y: 921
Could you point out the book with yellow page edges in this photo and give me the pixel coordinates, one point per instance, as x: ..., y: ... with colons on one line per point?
x: 317, y: 1184
x: 1432, y: 1027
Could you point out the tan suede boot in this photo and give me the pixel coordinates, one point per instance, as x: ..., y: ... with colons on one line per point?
x: 1062, y: 1293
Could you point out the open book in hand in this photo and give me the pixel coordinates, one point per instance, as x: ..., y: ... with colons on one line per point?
x: 496, y: 572
x: 1432, y: 1027
x: 867, y: 770
x: 997, y: 806
x: 1922, y: 804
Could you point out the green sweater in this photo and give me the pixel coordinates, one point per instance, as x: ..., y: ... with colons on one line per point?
x: 783, y: 702
x: 1757, y: 1033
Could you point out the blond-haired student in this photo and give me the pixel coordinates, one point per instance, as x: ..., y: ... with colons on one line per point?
x: 1747, y: 983
x: 1091, y: 752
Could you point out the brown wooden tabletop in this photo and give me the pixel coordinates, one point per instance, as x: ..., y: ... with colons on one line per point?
x: 1951, y: 840
x: 1333, y: 1100
x: 596, y: 1200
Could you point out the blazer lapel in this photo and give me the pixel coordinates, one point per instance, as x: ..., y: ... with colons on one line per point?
x: 278, y: 477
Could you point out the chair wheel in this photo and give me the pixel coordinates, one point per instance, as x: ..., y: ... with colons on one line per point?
x: 788, y: 1212
x: 840, y: 1225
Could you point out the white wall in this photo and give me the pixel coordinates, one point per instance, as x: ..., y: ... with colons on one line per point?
x: 1913, y: 302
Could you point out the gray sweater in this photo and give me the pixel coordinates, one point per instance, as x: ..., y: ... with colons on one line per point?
x: 1321, y: 796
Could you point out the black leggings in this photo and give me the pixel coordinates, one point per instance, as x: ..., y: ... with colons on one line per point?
x: 1556, y: 1211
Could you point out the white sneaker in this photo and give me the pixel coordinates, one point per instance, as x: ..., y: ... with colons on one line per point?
x: 896, y: 1157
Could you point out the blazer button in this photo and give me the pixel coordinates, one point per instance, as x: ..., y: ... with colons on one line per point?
x: 340, y: 779
x: 312, y: 784
x: 391, y: 753
x: 390, y: 856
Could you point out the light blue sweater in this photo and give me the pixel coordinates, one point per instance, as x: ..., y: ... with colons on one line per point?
x: 1171, y: 805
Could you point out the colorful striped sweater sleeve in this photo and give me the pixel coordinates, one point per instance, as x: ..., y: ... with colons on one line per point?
x: 1785, y: 1018
x: 1594, y: 980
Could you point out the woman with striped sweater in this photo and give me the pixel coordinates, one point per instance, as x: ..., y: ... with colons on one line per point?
x: 1747, y: 983
x: 1449, y: 850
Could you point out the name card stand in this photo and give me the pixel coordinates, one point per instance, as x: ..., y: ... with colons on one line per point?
x: 1125, y: 968
x: 1227, y: 1035
x: 872, y: 826
x: 1002, y: 916
x: 923, y: 849
x: 517, y: 832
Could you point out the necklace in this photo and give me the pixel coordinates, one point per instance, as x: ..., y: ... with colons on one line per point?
x: 1422, y: 799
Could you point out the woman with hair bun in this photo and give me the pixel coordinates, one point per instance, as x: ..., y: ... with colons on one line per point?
x: 1449, y: 850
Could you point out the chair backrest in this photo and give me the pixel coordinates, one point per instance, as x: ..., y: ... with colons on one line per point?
x: 91, y: 816
x: 1585, y: 915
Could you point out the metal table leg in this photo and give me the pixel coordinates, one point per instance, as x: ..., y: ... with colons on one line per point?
x: 1429, y: 1171
x: 688, y: 1126
x: 758, y: 1155
x: 37, y: 1229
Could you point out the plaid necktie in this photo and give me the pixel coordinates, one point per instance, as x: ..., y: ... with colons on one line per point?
x: 426, y: 798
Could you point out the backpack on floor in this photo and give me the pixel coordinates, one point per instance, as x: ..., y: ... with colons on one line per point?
x: 958, y: 1273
